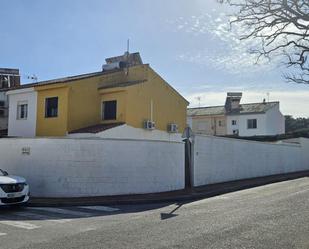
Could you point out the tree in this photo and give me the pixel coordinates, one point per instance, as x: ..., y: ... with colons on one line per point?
x: 296, y: 124
x: 282, y: 26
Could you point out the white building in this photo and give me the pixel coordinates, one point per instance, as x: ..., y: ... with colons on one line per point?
x: 22, y: 112
x: 254, y: 119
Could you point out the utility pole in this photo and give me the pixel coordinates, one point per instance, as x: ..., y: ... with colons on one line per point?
x: 199, y: 101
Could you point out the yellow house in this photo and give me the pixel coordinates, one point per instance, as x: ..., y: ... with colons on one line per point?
x: 125, y: 91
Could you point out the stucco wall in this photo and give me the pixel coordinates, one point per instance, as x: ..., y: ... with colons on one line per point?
x: 241, y: 121
x: 94, y: 167
x: 167, y: 105
x: 208, y: 125
x: 128, y: 132
x: 275, y: 121
x: 224, y: 159
x: 270, y: 123
x: 53, y: 126
x: 22, y: 127
x: 80, y: 102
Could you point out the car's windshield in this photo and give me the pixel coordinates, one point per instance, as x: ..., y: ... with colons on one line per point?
x: 3, y: 173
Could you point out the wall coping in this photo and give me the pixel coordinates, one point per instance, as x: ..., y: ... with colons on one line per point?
x: 250, y: 141
x: 94, y: 139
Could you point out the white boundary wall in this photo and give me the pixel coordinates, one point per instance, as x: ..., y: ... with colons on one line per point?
x: 128, y: 132
x: 225, y: 159
x: 94, y: 167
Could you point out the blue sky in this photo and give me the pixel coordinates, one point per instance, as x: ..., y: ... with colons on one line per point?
x: 186, y: 42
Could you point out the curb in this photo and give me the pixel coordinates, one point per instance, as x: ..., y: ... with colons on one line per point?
x: 193, y: 194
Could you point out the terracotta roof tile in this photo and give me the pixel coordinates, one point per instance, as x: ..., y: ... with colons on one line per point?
x: 220, y: 110
x: 96, y: 128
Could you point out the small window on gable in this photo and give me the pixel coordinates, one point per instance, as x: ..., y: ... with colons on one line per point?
x: 109, y: 110
x: 22, y: 110
x: 234, y: 122
x: 252, y: 123
x: 51, y: 107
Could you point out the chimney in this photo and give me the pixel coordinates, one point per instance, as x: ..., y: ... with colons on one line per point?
x: 232, y: 102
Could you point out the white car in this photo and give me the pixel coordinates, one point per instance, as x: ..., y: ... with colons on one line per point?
x: 13, y: 189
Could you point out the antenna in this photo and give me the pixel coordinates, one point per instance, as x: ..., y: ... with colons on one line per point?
x: 267, y: 96
x: 127, y: 55
x: 32, y: 77
x: 199, y: 101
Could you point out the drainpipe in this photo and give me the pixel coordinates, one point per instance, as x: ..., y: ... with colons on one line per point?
x: 151, y: 110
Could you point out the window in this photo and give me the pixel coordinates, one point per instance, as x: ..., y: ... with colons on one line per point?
x: 252, y: 123
x: 109, y: 110
x: 220, y: 123
x: 234, y: 122
x: 1, y: 113
x: 22, y: 110
x: 51, y: 107
x: 2, y: 103
x: 202, y: 126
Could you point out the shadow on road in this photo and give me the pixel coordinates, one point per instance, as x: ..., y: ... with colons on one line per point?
x: 78, y: 212
x: 171, y: 214
x: 24, y: 213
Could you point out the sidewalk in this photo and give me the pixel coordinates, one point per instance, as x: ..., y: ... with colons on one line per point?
x: 173, y: 196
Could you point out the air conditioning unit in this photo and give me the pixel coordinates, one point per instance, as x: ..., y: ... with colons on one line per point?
x: 149, y: 125
x: 172, y: 128
x: 235, y: 132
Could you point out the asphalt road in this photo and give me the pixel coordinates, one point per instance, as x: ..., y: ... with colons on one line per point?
x: 271, y: 216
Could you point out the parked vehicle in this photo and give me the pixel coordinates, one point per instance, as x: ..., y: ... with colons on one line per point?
x: 13, y: 189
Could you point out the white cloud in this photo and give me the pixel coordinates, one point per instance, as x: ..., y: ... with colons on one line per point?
x: 229, y: 53
x: 294, y: 103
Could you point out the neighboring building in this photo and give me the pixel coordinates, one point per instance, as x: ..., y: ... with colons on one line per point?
x: 125, y: 91
x: 254, y: 119
x: 9, y: 78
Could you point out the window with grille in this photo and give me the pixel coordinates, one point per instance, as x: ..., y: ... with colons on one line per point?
x: 51, y: 107
x: 252, y: 123
x: 22, y: 110
x: 109, y: 110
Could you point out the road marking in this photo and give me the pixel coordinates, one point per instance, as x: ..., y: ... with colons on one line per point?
x: 36, y: 216
x: 88, y: 229
x: 2, y: 234
x: 298, y: 192
x: 100, y: 208
x: 220, y: 197
x: 19, y: 224
x: 61, y: 211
